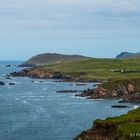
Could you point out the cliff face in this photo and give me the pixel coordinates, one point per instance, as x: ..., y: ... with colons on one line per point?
x: 42, y: 73
x: 39, y: 73
x: 100, y: 131
x: 51, y: 58
x: 129, y: 91
x: 125, y: 127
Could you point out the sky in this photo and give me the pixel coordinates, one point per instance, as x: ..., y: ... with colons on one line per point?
x: 88, y: 27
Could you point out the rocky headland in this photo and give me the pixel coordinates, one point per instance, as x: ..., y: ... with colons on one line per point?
x: 127, y: 90
x: 42, y: 73
x: 124, y: 127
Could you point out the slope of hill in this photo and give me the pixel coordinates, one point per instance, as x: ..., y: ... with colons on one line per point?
x: 52, y: 58
x: 128, y: 55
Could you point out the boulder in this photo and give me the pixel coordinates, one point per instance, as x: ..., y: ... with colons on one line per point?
x: 68, y: 91
x: 11, y: 84
x: 2, y: 83
x: 120, y: 106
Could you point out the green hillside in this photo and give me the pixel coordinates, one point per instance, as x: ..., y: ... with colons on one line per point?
x: 103, y: 69
x: 52, y: 58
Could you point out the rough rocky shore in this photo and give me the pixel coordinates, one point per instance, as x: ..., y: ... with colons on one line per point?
x: 128, y: 91
x: 125, y: 127
x: 42, y: 73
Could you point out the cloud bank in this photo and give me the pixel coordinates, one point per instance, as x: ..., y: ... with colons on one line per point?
x: 69, y: 18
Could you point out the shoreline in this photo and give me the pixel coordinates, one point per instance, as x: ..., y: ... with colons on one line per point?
x: 120, y: 127
x: 127, y: 90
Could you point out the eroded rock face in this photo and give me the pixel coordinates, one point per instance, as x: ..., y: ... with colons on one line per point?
x: 39, y: 73
x: 100, y: 131
x: 42, y: 73
x: 131, y: 88
x: 128, y: 93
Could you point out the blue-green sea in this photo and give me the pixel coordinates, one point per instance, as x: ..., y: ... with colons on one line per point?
x: 34, y: 111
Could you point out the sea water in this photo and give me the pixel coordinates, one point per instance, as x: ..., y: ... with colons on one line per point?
x: 33, y: 110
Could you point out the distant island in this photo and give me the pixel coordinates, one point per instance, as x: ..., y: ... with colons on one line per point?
x: 128, y: 55
x: 118, y: 78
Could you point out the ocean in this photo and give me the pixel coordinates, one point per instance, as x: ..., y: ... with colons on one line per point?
x: 32, y: 110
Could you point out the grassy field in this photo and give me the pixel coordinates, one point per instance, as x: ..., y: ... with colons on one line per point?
x: 94, y: 69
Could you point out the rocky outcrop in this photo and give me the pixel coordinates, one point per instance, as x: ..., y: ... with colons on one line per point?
x: 135, y: 97
x: 128, y: 92
x: 115, y: 128
x: 2, y: 83
x: 120, y: 106
x: 100, y: 131
x: 11, y: 84
x: 39, y: 73
x: 42, y: 73
x: 68, y: 91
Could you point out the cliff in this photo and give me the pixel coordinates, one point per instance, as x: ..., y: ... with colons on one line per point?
x: 124, y: 127
x: 128, y: 90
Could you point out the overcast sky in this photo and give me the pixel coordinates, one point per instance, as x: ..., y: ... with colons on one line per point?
x: 90, y: 27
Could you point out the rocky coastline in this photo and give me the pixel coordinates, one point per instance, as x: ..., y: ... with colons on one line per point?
x: 42, y: 73
x: 124, y: 127
x: 127, y: 92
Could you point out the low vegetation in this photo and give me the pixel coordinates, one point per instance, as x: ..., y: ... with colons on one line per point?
x: 101, y: 69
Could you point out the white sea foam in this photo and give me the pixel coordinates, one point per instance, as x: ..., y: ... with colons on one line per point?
x: 25, y: 102
x: 44, y: 89
x: 17, y: 99
x: 135, y: 107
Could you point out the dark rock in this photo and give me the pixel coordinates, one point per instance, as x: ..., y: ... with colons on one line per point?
x: 8, y: 78
x: 120, y: 106
x: 127, y: 92
x: 2, y: 83
x: 99, y: 92
x: 8, y: 65
x: 11, y: 84
x: 82, y: 84
x: 100, y: 131
x: 58, y: 75
x: 68, y: 91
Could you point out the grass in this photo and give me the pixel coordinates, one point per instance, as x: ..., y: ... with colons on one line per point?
x: 129, y: 124
x: 100, y: 69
